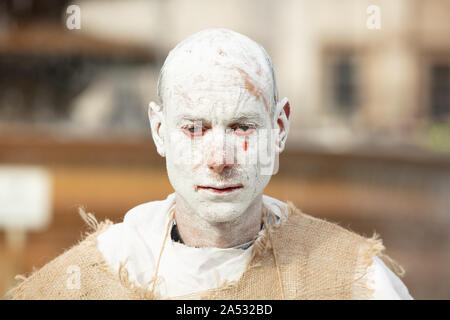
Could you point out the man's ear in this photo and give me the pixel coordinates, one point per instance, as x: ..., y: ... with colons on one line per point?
x: 156, y: 117
x: 282, y: 113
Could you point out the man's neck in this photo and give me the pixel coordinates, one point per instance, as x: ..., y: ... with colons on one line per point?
x: 197, y: 232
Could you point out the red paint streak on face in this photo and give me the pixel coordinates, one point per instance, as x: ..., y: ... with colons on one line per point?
x: 245, y: 145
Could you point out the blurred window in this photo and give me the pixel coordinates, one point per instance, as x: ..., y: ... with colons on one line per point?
x: 440, y: 91
x: 342, y: 81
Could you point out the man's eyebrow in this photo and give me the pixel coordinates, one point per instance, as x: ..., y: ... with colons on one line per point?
x: 238, y: 118
x: 189, y: 117
x: 247, y: 117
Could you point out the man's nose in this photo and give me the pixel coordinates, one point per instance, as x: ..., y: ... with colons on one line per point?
x: 217, y: 160
x: 218, y: 154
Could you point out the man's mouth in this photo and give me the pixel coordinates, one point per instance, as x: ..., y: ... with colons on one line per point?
x: 221, y: 189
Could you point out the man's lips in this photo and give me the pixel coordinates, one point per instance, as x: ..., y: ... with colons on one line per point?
x: 224, y: 189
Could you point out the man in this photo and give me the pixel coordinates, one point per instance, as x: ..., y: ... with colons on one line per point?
x: 221, y: 126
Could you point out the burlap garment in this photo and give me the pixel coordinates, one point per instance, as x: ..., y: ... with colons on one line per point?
x: 303, y: 258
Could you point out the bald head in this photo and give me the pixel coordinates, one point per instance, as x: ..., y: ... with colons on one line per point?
x: 219, y: 58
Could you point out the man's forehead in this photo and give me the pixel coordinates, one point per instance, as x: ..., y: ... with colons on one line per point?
x: 221, y: 87
x: 221, y: 96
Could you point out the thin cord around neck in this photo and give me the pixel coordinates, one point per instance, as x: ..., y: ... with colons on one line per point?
x: 268, y: 230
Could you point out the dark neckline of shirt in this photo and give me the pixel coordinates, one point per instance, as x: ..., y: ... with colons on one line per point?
x: 176, y: 237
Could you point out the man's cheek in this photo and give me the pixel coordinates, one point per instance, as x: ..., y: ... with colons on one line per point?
x: 266, y: 152
x: 246, y: 148
x: 180, y: 149
x: 198, y: 155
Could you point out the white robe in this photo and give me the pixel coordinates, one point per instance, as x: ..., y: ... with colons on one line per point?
x: 183, y: 269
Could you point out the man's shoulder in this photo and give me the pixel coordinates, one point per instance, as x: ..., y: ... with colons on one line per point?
x: 326, y: 242
x: 386, y: 283
x: 298, y: 227
x: 308, y: 226
x: 78, y: 273
x: 145, y: 212
x: 334, y: 249
x: 142, y: 221
x: 59, y: 278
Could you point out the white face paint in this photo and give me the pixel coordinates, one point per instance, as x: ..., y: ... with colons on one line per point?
x: 217, y: 95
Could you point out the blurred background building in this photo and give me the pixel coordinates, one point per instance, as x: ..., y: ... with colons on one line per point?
x: 369, y: 146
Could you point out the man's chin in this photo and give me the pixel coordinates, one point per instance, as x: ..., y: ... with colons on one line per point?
x: 220, y: 212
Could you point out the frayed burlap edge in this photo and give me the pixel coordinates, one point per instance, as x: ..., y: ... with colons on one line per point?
x: 363, y: 288
x: 89, y: 240
x: 263, y: 242
x: 122, y: 274
x: 364, y: 284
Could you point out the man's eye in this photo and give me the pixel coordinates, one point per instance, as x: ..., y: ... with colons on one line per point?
x: 243, y: 129
x: 193, y: 130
